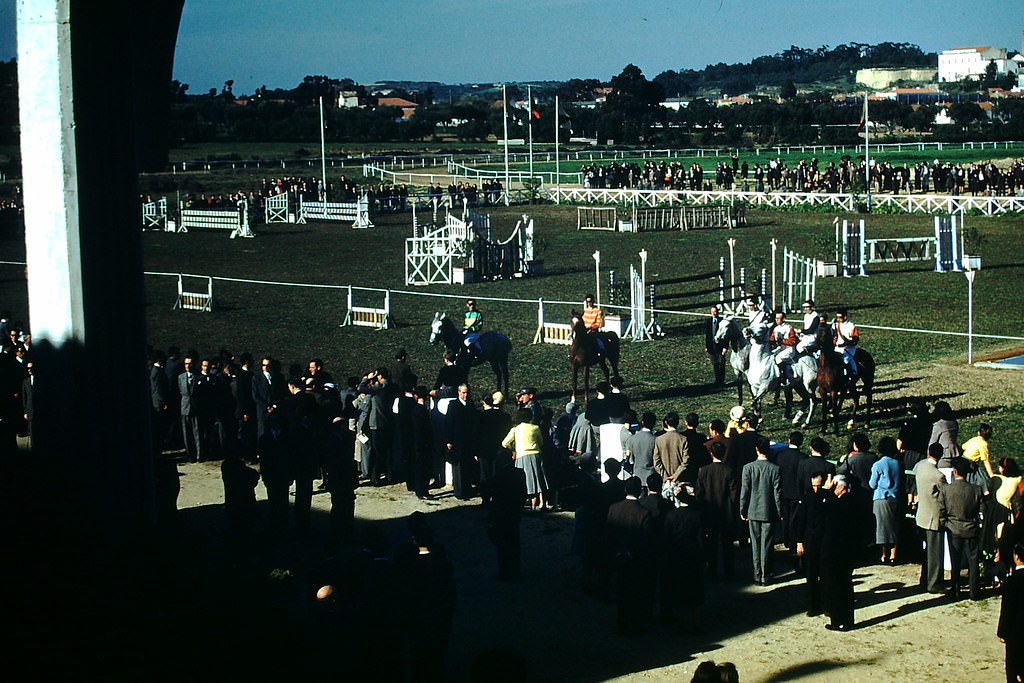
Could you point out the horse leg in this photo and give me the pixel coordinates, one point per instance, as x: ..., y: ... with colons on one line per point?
x: 575, y: 375
x: 788, y: 413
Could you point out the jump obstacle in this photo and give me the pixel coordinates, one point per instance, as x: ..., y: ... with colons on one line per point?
x: 194, y: 301
x: 364, y: 316
x: 650, y: 219
x: 358, y: 212
x: 154, y: 215
x: 430, y: 258
x: 688, y: 302
x: 858, y: 251
x: 799, y: 275
x: 235, y: 220
x: 591, y: 218
x: 275, y: 208
x: 551, y: 333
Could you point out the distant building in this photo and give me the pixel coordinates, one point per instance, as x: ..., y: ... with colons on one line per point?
x: 913, y: 95
x: 878, y: 79
x: 971, y: 62
x: 349, y: 99
x: 676, y: 103
x: 408, y: 108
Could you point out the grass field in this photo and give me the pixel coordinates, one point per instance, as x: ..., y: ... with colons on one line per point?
x: 295, y: 324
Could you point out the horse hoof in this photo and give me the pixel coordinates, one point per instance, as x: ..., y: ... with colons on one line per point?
x: 849, y: 425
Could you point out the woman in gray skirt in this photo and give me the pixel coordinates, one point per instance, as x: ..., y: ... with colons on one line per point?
x: 885, y: 483
x: 529, y: 442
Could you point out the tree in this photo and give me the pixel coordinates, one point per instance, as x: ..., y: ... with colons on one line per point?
x: 966, y: 114
x: 632, y: 93
x: 788, y: 90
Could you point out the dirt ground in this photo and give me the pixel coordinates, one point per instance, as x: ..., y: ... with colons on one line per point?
x: 568, y: 636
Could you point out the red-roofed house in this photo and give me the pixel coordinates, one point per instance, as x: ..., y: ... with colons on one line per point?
x: 408, y: 108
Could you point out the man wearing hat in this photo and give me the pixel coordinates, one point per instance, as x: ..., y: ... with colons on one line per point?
x: 757, y: 310
x: 809, y: 329
x: 525, y: 398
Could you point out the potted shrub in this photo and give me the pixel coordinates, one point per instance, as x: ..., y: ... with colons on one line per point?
x: 824, y: 245
x: 617, y: 322
x: 971, y: 242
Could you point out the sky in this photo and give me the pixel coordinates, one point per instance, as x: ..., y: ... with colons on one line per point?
x: 276, y: 43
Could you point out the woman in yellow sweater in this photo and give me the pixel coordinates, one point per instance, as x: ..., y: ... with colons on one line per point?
x: 529, y: 441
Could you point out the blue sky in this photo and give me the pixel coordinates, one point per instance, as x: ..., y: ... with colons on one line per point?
x: 276, y: 43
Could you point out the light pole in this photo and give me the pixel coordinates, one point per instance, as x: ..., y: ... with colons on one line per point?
x: 970, y: 315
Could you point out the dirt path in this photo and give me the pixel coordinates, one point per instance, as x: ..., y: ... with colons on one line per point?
x: 567, y: 636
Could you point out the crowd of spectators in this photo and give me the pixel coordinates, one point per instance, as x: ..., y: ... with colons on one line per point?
x: 661, y: 506
x: 847, y: 175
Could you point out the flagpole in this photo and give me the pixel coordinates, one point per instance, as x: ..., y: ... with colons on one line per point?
x: 558, y: 175
x: 323, y: 149
x: 529, y: 104
x: 504, y: 120
x: 867, y: 154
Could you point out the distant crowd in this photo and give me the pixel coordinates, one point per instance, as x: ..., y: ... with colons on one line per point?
x: 847, y: 175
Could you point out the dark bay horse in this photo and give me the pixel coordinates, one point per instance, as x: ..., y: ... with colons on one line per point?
x: 834, y: 384
x: 494, y: 348
x: 585, y: 351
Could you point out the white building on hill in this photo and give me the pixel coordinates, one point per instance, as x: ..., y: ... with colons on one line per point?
x: 970, y: 62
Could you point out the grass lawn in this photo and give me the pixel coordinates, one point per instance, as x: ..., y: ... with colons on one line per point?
x: 295, y: 324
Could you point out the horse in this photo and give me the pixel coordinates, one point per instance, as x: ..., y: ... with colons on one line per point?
x: 729, y: 332
x: 765, y: 375
x: 834, y: 383
x: 585, y: 351
x: 492, y: 347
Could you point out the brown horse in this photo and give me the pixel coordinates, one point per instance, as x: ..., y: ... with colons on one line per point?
x: 834, y: 383
x: 586, y: 351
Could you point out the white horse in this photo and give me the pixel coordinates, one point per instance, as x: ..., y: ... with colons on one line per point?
x: 754, y: 363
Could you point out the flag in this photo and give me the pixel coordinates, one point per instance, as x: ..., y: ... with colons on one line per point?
x: 564, y: 120
x: 862, y: 126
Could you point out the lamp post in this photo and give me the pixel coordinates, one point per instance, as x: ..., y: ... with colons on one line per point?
x: 970, y: 315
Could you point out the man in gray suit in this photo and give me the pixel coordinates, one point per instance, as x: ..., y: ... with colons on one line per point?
x: 188, y: 382
x: 760, y: 506
x: 640, y: 448
x: 929, y: 482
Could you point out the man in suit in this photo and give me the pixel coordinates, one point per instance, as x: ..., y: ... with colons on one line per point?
x: 188, y: 383
x: 381, y: 393
x: 960, y: 513
x: 788, y: 459
x: 929, y: 482
x: 268, y: 393
x: 640, y: 448
x: 760, y: 506
x: 815, y: 464
x: 1011, y: 618
x: 629, y: 539
x: 460, y: 443
x: 245, y: 408
x: 716, y: 350
x: 697, y: 454
x: 670, y: 450
x: 159, y: 399
x: 718, y: 492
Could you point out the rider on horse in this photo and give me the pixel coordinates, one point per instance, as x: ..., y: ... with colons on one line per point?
x: 593, y: 320
x: 782, y: 338
x: 845, y: 335
x: 810, y: 329
x: 758, y: 311
x: 472, y: 324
